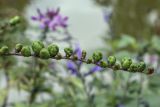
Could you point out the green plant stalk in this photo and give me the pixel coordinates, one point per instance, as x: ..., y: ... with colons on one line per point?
x: 69, y: 58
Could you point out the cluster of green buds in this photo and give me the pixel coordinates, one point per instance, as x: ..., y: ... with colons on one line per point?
x: 128, y: 64
x: 38, y: 49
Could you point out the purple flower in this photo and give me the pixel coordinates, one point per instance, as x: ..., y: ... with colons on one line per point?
x: 58, y: 21
x: 78, y: 51
x: 51, y: 19
x: 72, y: 66
x: 120, y: 105
x: 93, y: 70
x: 107, y: 15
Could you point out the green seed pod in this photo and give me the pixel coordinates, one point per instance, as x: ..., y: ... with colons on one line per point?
x: 44, y: 54
x: 117, y: 66
x: 103, y: 64
x: 97, y: 56
x: 133, y: 67
x: 53, y: 50
x: 84, y: 53
x: 89, y: 60
x: 141, y: 66
x: 58, y: 56
x: 18, y: 47
x: 111, y: 60
x: 15, y: 20
x: 37, y: 46
x: 26, y: 51
x: 126, y: 63
x: 4, y: 49
x: 68, y: 51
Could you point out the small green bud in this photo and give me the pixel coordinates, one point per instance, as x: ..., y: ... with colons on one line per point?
x: 37, y: 46
x: 75, y: 57
x: 53, y: 50
x: 133, y: 67
x: 84, y: 53
x: 126, y: 63
x: 18, y: 47
x: 123, y: 59
x: 26, y: 51
x: 89, y: 60
x: 111, y: 60
x: 97, y: 56
x: 103, y: 64
x: 44, y: 54
x: 58, y: 56
x: 4, y: 49
x: 117, y: 66
x: 141, y: 66
x: 68, y: 51
x: 14, y: 20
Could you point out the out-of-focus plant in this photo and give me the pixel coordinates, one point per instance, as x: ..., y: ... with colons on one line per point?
x: 133, y: 17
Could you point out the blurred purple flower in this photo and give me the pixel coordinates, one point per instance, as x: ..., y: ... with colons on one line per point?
x: 107, y: 15
x: 58, y: 21
x: 51, y: 19
x: 151, y: 59
x: 78, y: 51
x: 93, y: 70
x: 120, y: 105
x: 72, y: 66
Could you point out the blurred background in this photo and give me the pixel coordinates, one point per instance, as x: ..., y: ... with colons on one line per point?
x: 115, y: 27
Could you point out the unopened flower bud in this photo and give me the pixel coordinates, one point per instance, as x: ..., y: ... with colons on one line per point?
x: 117, y: 66
x: 58, y: 56
x: 44, y: 54
x: 26, y: 51
x: 37, y: 46
x: 126, y: 63
x: 149, y: 71
x: 103, y: 64
x: 75, y: 57
x: 15, y: 20
x: 141, y: 66
x: 111, y: 60
x: 133, y: 67
x: 97, y: 56
x: 84, y: 53
x: 123, y: 59
x: 18, y: 47
x: 89, y: 60
x: 68, y: 51
x: 53, y: 50
x: 4, y: 49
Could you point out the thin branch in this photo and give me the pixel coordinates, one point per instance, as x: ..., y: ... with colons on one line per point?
x: 72, y: 59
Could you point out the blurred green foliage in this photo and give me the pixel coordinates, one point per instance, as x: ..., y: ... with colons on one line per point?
x: 131, y: 17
